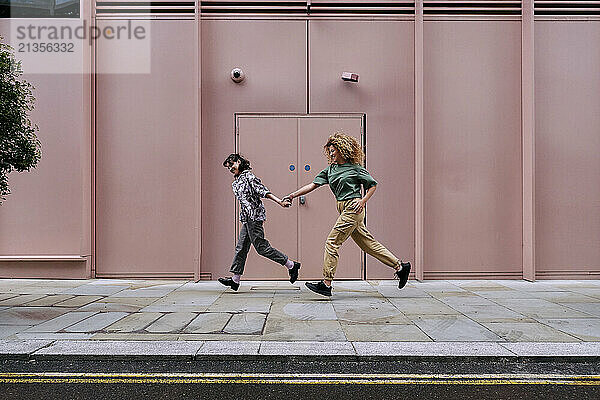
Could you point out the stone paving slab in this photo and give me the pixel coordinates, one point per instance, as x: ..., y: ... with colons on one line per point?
x: 64, y: 283
x: 406, y: 292
x: 173, y: 308
x: 423, y: 307
x: 204, y: 286
x: 208, y: 323
x: 21, y: 299
x: 362, y: 311
x: 567, y: 297
x: 7, y: 331
x: 554, y: 349
x: 61, y: 322
x: 307, y: 348
x: 370, y: 313
x: 29, y: 315
x: 451, y: 328
x: 96, y: 322
x: 526, y: 286
x: 246, y: 323
x: 308, y: 311
x: 49, y: 300
x: 96, y: 290
x: 121, y: 348
x: 353, y: 286
x: 239, y: 303
x: 189, y: 297
x: 133, y: 322
x: 191, y: 349
x: 476, y: 283
x: 130, y: 301
x: 39, y: 290
x: 585, y: 329
x: 539, y: 308
x: 528, y: 332
x: 588, y: 308
x: 490, y: 313
x: 135, y: 336
x: 384, y: 333
x: 78, y: 301
x: 460, y: 299
x: 172, y: 322
x: 229, y: 348
x: 430, y: 349
x: 505, y: 294
x: 54, y: 336
x: 146, y: 292
x: 591, y: 292
x: 216, y: 337
x: 22, y: 346
x: 277, y: 329
x: 101, y: 306
x: 436, y: 286
x: 4, y: 296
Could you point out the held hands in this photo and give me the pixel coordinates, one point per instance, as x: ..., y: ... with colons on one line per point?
x: 286, y: 202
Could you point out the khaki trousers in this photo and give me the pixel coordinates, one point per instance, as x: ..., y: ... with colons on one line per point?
x: 351, y: 224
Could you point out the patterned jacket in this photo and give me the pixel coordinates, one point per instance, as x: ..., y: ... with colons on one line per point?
x: 249, y: 190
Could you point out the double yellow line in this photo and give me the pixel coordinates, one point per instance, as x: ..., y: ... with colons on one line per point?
x: 299, y: 379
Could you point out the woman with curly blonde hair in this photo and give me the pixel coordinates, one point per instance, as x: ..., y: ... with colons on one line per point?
x: 345, y: 176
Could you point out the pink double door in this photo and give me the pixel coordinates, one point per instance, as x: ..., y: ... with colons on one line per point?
x: 286, y: 153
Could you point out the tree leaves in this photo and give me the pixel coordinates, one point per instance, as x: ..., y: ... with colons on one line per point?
x: 20, y: 149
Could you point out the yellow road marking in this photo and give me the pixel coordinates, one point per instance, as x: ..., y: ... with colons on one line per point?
x: 300, y: 379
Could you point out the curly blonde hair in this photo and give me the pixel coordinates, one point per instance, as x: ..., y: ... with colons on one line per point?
x: 348, y: 147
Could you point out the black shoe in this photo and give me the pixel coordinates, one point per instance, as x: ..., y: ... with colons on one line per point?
x: 402, y: 274
x: 294, y: 272
x: 229, y: 282
x: 320, y: 288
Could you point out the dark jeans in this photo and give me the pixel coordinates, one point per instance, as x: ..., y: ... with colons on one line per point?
x: 252, y: 232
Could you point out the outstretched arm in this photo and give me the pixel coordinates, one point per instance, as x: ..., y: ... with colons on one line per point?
x: 303, y: 190
x: 282, y: 203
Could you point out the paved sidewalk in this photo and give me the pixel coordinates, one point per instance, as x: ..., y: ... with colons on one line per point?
x: 364, y: 318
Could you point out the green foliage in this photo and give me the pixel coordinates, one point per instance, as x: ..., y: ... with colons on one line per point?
x: 19, y: 145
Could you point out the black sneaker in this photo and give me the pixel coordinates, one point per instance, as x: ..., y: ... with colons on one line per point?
x: 402, y: 274
x: 294, y: 272
x: 319, y: 288
x: 229, y: 282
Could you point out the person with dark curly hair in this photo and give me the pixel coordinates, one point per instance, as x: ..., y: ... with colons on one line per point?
x: 249, y: 190
x: 345, y: 175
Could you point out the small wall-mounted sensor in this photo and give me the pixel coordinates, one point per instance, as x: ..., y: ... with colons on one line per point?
x: 349, y: 76
x: 237, y: 75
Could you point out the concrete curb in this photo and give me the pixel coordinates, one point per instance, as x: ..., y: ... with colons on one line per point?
x: 305, y: 351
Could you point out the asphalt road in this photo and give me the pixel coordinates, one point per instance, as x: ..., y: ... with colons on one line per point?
x: 298, y: 379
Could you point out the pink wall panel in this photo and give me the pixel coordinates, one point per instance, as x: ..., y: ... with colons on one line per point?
x: 44, y: 214
x: 318, y: 215
x: 272, y: 146
x: 472, y: 155
x: 382, y: 54
x: 567, y: 108
x: 273, y: 56
x: 146, y: 171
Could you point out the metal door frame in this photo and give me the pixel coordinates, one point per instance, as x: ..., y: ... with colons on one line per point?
x: 363, y: 140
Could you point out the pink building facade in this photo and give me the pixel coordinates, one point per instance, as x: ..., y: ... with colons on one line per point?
x: 480, y: 121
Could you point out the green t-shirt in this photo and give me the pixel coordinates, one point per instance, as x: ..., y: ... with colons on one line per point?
x: 345, y: 180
